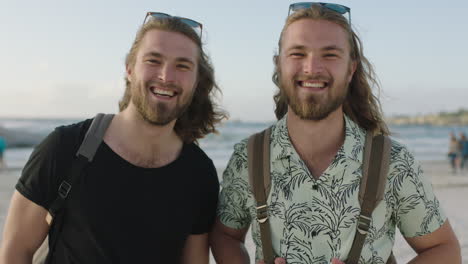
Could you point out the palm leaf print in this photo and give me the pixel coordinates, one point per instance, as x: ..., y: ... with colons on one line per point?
x: 303, y: 252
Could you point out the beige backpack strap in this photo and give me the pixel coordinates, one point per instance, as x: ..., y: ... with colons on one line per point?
x: 391, y: 259
x: 258, y: 154
x: 374, y: 177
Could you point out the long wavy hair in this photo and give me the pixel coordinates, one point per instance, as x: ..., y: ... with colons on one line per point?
x: 361, y: 105
x: 200, y: 118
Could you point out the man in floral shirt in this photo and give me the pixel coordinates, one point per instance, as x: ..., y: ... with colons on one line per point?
x: 325, y: 108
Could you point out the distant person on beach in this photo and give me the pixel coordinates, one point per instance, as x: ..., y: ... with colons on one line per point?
x: 150, y: 193
x: 463, y: 145
x: 325, y: 107
x: 453, y: 152
x: 2, y: 151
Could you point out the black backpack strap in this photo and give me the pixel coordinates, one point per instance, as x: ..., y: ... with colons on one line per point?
x: 85, y: 154
x: 374, y: 177
x: 94, y: 136
x: 258, y: 154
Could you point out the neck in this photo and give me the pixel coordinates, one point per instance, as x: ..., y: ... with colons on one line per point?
x: 140, y: 142
x: 132, y: 125
x: 317, y: 142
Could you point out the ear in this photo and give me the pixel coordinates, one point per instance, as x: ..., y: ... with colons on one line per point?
x: 276, y: 60
x: 352, y: 70
x: 129, y: 71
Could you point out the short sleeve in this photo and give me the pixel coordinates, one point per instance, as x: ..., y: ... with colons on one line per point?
x: 235, y: 193
x: 418, y: 211
x: 208, y: 202
x: 38, y: 182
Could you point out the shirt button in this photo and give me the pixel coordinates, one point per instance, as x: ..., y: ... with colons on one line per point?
x: 315, y: 187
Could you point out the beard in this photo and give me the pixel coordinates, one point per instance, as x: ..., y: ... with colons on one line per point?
x: 159, y: 113
x: 314, y: 107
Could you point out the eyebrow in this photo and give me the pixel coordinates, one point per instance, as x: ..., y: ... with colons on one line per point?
x: 298, y: 47
x: 332, y: 48
x: 327, y: 48
x: 178, y: 59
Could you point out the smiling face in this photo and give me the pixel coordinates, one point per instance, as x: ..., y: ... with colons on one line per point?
x: 164, y: 76
x: 315, y: 68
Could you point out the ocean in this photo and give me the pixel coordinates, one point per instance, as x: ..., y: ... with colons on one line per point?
x: 425, y: 141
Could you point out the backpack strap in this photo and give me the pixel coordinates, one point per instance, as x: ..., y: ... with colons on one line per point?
x: 258, y: 154
x: 376, y: 159
x: 374, y: 177
x: 84, y: 156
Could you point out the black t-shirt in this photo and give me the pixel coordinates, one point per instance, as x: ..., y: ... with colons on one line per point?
x: 118, y: 212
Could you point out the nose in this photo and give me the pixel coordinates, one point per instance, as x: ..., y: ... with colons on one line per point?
x: 167, y: 74
x: 312, y: 65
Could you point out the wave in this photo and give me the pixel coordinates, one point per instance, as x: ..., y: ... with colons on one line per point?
x: 426, y: 142
x: 21, y: 133
x: 18, y: 138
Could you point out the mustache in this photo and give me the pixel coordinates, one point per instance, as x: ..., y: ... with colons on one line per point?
x: 313, y: 77
x: 169, y: 86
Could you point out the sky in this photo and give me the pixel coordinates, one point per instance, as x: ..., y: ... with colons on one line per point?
x: 65, y: 58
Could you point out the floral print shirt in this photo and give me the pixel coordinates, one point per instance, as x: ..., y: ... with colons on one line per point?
x: 314, y: 220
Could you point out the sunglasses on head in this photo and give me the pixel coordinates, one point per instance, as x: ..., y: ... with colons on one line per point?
x: 196, y: 26
x: 340, y: 9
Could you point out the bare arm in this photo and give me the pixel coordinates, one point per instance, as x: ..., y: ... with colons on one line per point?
x: 227, y: 244
x: 440, y: 246
x: 24, y: 231
x: 196, y: 250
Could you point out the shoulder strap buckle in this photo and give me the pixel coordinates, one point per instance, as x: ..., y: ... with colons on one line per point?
x: 363, y: 224
x: 262, y: 213
x: 64, y: 189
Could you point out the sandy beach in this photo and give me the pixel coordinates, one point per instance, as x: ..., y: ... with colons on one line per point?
x: 451, y: 189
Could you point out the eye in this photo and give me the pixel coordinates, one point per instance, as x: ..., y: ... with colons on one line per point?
x: 296, y: 55
x: 153, y: 61
x: 183, y: 67
x: 330, y: 55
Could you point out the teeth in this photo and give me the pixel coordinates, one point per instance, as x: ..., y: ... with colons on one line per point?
x: 313, y: 84
x: 163, y: 92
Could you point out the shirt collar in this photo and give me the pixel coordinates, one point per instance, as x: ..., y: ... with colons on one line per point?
x: 351, y: 149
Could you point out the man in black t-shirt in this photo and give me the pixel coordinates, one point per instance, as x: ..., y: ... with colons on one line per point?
x: 150, y: 193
